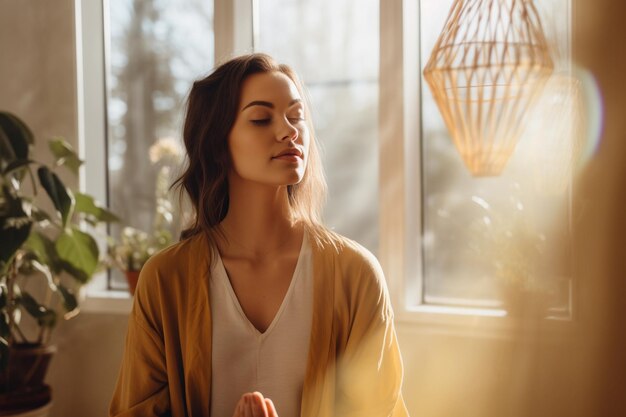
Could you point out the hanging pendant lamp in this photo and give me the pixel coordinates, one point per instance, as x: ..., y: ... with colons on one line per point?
x: 487, y: 67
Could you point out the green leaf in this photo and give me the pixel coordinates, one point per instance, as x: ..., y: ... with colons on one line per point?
x: 12, y: 239
x: 108, y: 216
x: 45, y: 270
x: 65, y: 154
x: 60, y: 195
x: 5, y: 330
x: 80, y: 275
x: 4, y: 291
x: 79, y: 250
x: 31, y: 305
x: 69, y: 299
x: 45, y: 316
x: 38, y: 243
x: 45, y: 250
x: 7, y: 154
x: 15, y: 225
x: 86, y: 204
x: 17, y: 134
x: 4, y: 354
x: 16, y: 164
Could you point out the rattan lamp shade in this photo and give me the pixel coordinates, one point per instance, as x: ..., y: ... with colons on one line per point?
x: 487, y: 67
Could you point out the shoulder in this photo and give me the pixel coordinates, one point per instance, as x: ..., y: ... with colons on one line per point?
x: 170, y: 277
x: 358, y: 278
x: 356, y: 272
x: 176, y: 266
x: 349, y: 255
x: 189, y: 253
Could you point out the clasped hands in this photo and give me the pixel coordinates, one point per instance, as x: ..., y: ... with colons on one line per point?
x: 254, y: 405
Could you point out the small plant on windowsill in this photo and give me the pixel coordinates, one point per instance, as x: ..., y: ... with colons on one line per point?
x: 135, y: 246
x: 45, y: 257
x: 527, y: 261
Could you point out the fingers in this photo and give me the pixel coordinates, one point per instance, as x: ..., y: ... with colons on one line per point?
x: 245, y: 407
x: 250, y: 407
x: 258, y: 405
x: 254, y: 405
x: 239, y: 408
x: 271, y: 410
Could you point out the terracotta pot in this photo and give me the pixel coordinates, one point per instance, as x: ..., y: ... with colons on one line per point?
x: 132, y: 277
x: 21, y: 384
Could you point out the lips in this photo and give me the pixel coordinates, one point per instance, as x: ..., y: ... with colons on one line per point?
x: 293, y: 152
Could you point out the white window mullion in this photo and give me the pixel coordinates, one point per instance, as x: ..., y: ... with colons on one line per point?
x: 91, y: 97
x: 91, y: 112
x: 234, y: 28
x: 413, y: 273
x: 400, y: 210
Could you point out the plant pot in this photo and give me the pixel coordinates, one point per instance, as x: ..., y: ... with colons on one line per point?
x: 43, y: 411
x: 132, y: 277
x: 22, y: 385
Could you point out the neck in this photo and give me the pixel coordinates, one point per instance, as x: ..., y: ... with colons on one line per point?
x: 259, y: 220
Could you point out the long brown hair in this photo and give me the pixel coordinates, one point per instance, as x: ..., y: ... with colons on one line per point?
x: 211, y: 111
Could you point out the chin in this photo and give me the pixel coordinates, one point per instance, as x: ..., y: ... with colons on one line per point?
x: 292, y: 179
x: 296, y: 179
x: 279, y: 181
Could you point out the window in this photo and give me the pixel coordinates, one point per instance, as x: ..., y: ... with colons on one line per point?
x: 447, y: 241
x: 470, y: 244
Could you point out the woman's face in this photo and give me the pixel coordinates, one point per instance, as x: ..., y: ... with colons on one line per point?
x: 269, y: 141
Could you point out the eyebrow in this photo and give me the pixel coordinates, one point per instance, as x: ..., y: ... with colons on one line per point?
x: 268, y: 104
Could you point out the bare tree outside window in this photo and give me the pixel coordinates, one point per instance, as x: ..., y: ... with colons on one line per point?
x: 156, y: 50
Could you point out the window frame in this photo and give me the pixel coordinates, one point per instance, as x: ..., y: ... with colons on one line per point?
x: 400, y: 188
x: 92, y: 131
x: 400, y: 192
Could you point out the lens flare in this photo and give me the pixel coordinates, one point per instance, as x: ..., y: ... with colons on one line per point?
x: 593, y: 106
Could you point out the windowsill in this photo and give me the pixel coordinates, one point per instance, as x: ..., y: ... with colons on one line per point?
x: 479, y: 323
x: 109, y: 302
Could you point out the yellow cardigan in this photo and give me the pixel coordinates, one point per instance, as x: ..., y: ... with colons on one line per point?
x: 354, y: 366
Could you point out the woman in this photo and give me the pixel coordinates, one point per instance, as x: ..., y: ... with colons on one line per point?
x: 259, y: 310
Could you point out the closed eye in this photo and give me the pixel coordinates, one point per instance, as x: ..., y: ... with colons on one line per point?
x: 260, y: 122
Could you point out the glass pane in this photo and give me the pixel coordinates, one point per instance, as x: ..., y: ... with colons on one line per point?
x: 488, y: 237
x: 156, y: 50
x: 333, y: 46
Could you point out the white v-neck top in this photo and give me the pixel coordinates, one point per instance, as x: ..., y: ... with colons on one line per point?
x: 246, y: 360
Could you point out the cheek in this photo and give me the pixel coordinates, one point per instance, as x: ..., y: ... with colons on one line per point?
x: 246, y: 153
x: 306, y: 143
x: 239, y: 150
x: 305, y: 137
x: 241, y: 144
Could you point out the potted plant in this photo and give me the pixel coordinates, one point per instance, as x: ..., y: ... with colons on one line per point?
x: 135, y: 246
x: 133, y: 250
x: 45, y: 257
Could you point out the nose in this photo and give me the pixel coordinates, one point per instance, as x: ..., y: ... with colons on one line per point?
x: 287, y: 131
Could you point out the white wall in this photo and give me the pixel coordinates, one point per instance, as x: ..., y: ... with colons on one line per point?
x: 38, y: 83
